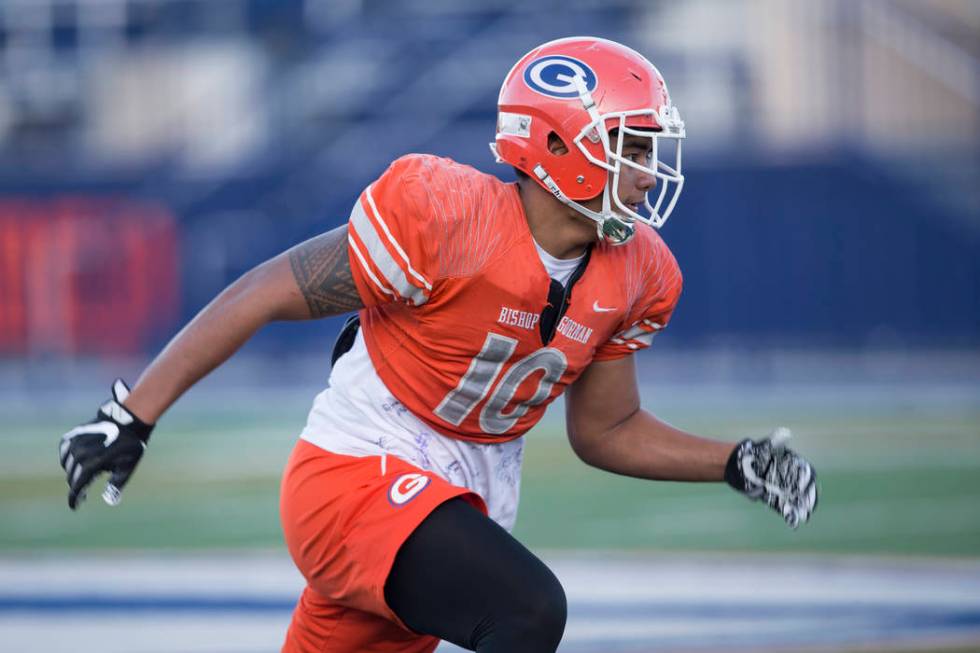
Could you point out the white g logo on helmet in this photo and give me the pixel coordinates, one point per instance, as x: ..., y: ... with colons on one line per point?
x: 554, y: 76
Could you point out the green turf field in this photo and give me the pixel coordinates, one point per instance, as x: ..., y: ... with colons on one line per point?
x: 905, y: 482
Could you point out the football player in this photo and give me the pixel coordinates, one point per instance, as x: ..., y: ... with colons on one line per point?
x: 478, y: 302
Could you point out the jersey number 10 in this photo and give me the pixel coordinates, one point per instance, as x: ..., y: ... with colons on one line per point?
x: 483, y: 372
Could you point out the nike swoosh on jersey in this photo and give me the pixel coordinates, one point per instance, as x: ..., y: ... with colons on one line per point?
x: 601, y: 309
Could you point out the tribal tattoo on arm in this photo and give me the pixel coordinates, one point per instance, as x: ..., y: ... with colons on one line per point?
x: 322, y: 271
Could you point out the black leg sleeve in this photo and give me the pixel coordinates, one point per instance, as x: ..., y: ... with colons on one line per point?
x: 464, y: 579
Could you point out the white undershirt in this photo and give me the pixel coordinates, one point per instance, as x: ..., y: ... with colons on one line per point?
x: 559, y: 269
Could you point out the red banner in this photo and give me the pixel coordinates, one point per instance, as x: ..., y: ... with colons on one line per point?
x: 86, y: 275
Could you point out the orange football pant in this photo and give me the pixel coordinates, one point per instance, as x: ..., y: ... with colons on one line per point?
x: 344, y: 519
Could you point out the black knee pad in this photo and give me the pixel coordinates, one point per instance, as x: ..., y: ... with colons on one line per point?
x: 547, y: 606
x: 532, y: 618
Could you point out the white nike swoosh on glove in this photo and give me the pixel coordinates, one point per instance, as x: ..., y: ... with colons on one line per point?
x: 108, y: 429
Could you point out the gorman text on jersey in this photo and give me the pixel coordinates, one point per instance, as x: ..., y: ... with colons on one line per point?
x: 574, y: 331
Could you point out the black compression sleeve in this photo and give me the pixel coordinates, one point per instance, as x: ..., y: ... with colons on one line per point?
x: 464, y: 579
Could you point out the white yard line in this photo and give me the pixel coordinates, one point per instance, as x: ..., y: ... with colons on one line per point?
x: 240, y: 603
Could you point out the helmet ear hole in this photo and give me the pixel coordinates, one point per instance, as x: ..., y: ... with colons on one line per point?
x: 556, y: 145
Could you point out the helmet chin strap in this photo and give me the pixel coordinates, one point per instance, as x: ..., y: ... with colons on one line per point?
x: 610, y: 227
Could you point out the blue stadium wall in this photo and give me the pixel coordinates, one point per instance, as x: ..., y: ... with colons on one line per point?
x: 827, y: 254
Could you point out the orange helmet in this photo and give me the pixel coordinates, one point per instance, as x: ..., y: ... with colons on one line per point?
x: 580, y: 89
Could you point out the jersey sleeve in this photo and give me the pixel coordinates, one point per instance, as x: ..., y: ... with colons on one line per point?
x: 651, y: 313
x: 386, y: 238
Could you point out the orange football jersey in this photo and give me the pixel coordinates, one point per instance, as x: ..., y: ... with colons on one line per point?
x: 454, y: 290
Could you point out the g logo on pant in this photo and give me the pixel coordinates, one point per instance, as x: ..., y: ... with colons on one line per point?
x: 406, y: 487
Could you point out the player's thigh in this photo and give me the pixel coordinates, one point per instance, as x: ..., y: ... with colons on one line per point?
x: 320, y: 625
x: 344, y: 519
x: 460, y: 574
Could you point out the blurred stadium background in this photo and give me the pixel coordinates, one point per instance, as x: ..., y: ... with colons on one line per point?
x: 153, y: 150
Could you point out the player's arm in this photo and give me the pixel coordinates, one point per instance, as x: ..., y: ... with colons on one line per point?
x: 311, y: 280
x: 608, y: 429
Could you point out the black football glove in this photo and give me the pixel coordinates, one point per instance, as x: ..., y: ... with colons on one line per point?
x: 767, y: 470
x: 112, y: 442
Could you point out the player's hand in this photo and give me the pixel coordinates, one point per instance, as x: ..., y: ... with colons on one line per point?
x: 769, y: 471
x: 112, y: 442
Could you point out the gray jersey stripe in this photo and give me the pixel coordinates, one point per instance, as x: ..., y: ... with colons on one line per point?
x: 394, y: 243
x: 631, y: 333
x: 366, y: 267
x: 646, y: 338
x: 382, y: 259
